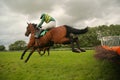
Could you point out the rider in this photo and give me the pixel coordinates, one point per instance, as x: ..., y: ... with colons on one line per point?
x: 50, y: 23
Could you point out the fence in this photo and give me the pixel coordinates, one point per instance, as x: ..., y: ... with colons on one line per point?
x: 110, y: 40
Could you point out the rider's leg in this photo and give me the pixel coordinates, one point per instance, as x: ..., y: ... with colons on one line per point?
x: 37, y: 35
x: 49, y: 25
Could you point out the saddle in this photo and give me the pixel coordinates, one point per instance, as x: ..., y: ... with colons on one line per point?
x: 43, y: 32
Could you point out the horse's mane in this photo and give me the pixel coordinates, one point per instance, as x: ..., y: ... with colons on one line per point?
x: 34, y: 25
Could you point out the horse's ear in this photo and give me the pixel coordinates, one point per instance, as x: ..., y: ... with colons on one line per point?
x: 27, y: 23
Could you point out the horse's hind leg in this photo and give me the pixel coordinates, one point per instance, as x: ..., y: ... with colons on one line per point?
x: 72, y: 44
x: 77, y: 43
x: 48, y: 50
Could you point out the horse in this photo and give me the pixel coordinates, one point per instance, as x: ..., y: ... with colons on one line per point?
x: 59, y: 35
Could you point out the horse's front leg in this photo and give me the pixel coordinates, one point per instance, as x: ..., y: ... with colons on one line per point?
x: 39, y: 51
x: 24, y: 52
x: 30, y: 54
x: 48, y: 50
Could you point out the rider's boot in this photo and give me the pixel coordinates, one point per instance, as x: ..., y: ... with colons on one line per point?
x: 37, y: 36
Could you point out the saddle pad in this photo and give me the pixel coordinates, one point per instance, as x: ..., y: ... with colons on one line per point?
x: 43, y: 33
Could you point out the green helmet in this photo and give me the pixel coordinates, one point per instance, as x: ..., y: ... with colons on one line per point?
x: 42, y: 15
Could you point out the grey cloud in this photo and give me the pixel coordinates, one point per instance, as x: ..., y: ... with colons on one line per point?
x: 30, y: 6
x: 82, y: 10
x: 77, y: 10
x: 15, y: 13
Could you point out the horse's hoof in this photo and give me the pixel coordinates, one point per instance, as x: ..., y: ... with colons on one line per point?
x: 83, y: 50
x: 41, y: 54
x: 25, y: 61
x: 21, y: 58
x: 76, y: 50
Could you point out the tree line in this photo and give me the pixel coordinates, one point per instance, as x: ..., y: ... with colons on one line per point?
x: 90, y: 39
x: 17, y: 45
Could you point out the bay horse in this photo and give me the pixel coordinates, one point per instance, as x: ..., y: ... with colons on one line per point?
x: 59, y: 35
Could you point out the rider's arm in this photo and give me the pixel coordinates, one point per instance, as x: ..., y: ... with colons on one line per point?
x: 42, y: 21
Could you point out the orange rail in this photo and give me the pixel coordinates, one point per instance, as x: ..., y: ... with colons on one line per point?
x: 114, y: 48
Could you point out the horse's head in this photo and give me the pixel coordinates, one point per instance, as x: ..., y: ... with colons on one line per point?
x: 30, y: 29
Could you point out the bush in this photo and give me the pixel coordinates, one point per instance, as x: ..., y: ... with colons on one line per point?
x: 18, y: 45
x: 2, y: 47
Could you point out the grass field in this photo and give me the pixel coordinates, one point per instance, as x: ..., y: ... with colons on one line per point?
x: 60, y: 65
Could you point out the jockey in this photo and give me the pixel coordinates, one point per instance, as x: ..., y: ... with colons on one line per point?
x: 50, y: 23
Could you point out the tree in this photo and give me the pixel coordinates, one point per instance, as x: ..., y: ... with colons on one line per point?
x: 2, y: 47
x: 17, y: 45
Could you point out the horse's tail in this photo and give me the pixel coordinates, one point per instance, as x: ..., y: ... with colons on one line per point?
x: 75, y: 31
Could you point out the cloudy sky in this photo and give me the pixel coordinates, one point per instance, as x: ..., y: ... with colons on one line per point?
x: 14, y: 15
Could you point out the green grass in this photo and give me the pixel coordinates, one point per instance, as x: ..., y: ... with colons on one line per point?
x: 60, y: 65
